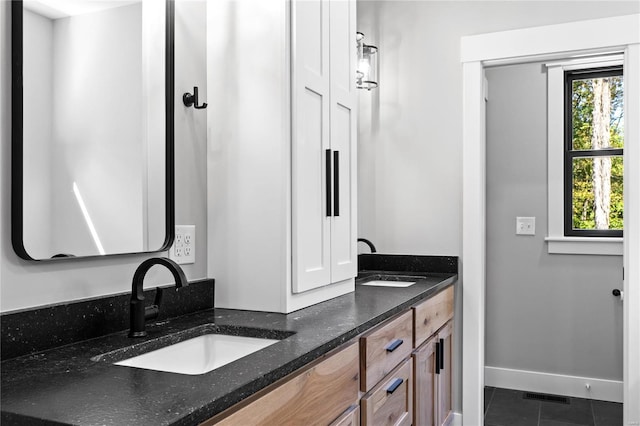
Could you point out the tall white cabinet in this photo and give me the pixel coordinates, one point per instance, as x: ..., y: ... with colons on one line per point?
x: 281, y: 152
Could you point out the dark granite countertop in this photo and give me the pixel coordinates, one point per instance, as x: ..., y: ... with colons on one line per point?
x: 64, y: 386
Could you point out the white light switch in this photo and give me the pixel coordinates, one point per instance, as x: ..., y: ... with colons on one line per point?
x: 525, y: 225
x: 183, y: 250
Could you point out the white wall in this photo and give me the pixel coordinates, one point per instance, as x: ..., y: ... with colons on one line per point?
x: 26, y: 284
x: 410, y: 128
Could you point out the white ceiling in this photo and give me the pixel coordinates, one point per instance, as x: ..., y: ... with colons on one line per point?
x: 55, y: 9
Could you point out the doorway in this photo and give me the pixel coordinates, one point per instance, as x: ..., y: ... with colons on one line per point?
x: 543, y: 308
x: 523, y: 46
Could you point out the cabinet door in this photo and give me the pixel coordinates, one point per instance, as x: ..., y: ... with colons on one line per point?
x: 445, y: 337
x: 342, y: 52
x: 311, y: 218
x: 324, y: 157
x: 424, y: 361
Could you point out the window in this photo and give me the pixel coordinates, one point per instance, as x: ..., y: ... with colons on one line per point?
x: 594, y: 142
x: 579, y: 221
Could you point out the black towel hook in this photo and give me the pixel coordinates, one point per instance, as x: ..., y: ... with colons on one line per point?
x: 190, y: 99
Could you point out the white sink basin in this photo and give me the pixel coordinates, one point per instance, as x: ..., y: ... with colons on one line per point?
x: 198, y: 355
x: 381, y: 283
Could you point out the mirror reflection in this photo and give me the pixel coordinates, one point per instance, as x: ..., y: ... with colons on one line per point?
x: 94, y: 144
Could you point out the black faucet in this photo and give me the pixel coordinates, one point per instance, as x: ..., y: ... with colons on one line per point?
x: 369, y: 243
x: 137, y: 311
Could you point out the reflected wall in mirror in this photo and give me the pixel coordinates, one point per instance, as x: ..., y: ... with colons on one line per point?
x: 92, y: 127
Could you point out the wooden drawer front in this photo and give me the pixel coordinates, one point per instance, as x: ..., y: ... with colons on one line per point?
x: 382, y: 349
x: 391, y: 401
x: 349, y: 418
x: 432, y: 314
x: 316, y: 396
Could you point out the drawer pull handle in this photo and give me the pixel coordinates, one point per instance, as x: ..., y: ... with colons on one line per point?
x: 394, y: 345
x: 393, y: 386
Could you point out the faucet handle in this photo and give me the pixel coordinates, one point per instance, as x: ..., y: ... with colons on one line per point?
x: 151, y: 312
x: 158, y: 299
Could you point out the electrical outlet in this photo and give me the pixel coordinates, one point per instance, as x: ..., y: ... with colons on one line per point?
x: 183, y: 250
x: 525, y: 226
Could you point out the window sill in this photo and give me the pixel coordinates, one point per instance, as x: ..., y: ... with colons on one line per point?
x: 585, y: 245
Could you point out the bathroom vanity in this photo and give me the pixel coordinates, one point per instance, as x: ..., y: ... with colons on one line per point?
x: 345, y: 337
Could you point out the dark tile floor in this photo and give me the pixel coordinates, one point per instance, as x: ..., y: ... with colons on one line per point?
x: 505, y: 407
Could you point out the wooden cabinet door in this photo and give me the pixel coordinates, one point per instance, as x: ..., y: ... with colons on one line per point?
x: 445, y: 337
x: 390, y: 403
x: 425, y: 390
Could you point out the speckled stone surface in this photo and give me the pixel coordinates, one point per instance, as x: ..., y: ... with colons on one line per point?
x: 29, y: 331
x: 65, y: 386
x: 406, y: 263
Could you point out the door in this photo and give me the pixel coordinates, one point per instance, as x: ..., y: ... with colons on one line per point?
x: 324, y: 143
x: 343, y: 138
x: 445, y: 376
x: 311, y: 157
x: 424, y: 359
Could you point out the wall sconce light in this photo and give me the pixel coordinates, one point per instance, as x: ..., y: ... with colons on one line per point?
x: 367, y: 69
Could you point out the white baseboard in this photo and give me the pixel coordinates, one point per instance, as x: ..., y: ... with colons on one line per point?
x: 556, y: 384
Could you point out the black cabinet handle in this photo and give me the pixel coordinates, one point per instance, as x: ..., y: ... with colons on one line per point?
x: 328, y: 180
x: 394, y: 385
x: 336, y: 183
x: 441, y: 354
x: 437, y: 357
x: 394, y: 345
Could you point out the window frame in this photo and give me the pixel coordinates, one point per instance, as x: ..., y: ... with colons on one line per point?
x: 570, y: 75
x: 557, y: 242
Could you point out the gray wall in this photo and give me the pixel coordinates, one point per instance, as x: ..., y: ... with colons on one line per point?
x: 410, y: 128
x: 544, y: 312
x: 26, y: 284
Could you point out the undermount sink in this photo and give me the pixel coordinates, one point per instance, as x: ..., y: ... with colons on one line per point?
x: 195, y: 350
x: 385, y: 283
x: 198, y: 355
x: 390, y: 280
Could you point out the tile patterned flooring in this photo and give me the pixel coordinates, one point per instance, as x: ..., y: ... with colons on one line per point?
x: 505, y: 407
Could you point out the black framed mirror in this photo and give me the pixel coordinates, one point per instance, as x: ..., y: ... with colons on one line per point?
x: 92, y: 127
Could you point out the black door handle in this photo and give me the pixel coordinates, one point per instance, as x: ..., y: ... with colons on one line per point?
x: 437, y: 357
x: 336, y: 183
x: 328, y: 180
